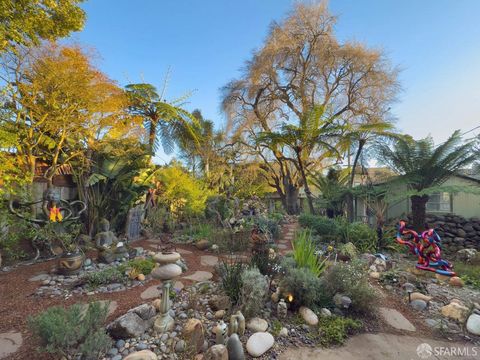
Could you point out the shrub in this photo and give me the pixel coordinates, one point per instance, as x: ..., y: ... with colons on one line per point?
x: 105, y: 277
x: 231, y: 241
x: 200, y: 231
x: 304, y: 286
x: 12, y: 231
x: 304, y: 253
x: 334, y: 330
x: 266, y: 264
x: 362, y: 236
x: 470, y: 274
x: 231, y: 279
x: 73, y: 331
x: 253, y: 292
x: 217, y: 208
x: 350, y: 279
x: 269, y: 227
x: 159, y: 220
x: 140, y: 266
x: 320, y: 225
x: 348, y: 250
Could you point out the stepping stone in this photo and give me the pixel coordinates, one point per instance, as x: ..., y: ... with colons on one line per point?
x: 10, y: 342
x: 40, y: 277
x: 112, y: 306
x: 183, y: 251
x: 178, y: 285
x: 282, y: 246
x: 199, y: 276
x: 208, y: 260
x: 396, y: 320
x: 151, y: 292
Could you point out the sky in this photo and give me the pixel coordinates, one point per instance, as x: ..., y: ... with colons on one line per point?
x: 203, y: 44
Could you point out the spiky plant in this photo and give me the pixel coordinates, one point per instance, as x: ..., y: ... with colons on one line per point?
x: 422, y: 165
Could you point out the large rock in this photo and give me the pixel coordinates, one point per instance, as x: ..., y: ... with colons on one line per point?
x: 216, y: 352
x: 456, y: 281
x: 134, y: 323
x: 257, y: 325
x: 166, y: 272
x: 259, y: 343
x: 193, y: 334
x: 420, y: 296
x: 219, y: 302
x: 10, y: 342
x: 473, y: 324
x: 142, y: 355
x: 455, y: 310
x: 202, y: 244
x: 308, y: 315
x: 235, y: 348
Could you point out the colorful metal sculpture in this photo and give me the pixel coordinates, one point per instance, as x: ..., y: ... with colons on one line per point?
x: 427, y: 247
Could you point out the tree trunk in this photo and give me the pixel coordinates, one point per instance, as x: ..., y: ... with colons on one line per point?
x: 151, y: 137
x: 419, y: 211
x: 308, y: 193
x: 350, y: 207
x: 291, y: 199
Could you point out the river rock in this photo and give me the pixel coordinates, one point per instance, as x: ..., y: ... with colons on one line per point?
x: 202, y: 244
x: 194, y: 334
x: 308, y: 315
x: 259, y: 343
x: 216, y: 352
x: 473, y: 324
x: 257, y: 325
x: 420, y: 296
x: 167, y: 272
x: 418, y: 304
x: 324, y: 312
x: 142, y: 355
x: 455, y: 310
x: 235, y: 348
x: 128, y: 326
x: 456, y: 281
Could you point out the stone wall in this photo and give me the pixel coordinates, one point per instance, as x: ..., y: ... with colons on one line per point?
x: 456, y: 232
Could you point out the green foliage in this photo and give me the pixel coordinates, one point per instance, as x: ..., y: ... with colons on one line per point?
x: 348, y: 250
x: 158, y: 221
x: 322, y: 226
x: 268, y: 226
x: 200, y: 231
x: 350, y: 279
x: 266, y: 263
x: 333, y: 189
x: 73, y: 331
x: 139, y: 266
x: 217, y: 208
x: 470, y: 274
x: 334, y: 330
x: 104, y: 277
x: 304, y: 285
x: 253, y: 292
x: 13, y: 230
x: 27, y: 22
x: 231, y: 241
x: 304, y: 253
x: 231, y: 279
x: 183, y: 195
x: 361, y: 235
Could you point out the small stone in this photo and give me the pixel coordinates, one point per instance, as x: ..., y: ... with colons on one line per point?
x: 142, y: 355
x: 194, y: 334
x: 141, y: 346
x: 420, y: 296
x: 308, y: 315
x: 473, y: 324
x: 283, y: 332
x: 259, y: 343
x: 455, y: 311
x: 217, y: 352
x: 120, y: 344
x: 324, y: 312
x: 220, y: 302
x: 257, y: 325
x: 220, y: 314
x: 180, y: 346
x: 141, y: 277
x: 202, y: 244
x: 375, y: 275
x: 456, y: 281
x: 418, y: 304
x: 117, y: 357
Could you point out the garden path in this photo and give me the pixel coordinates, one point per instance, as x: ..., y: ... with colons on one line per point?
x: 284, y: 244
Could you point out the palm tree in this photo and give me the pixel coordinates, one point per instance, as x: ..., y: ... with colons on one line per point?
x: 422, y: 165
x: 167, y: 123
x: 333, y: 188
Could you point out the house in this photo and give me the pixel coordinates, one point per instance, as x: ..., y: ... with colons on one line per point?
x: 463, y: 204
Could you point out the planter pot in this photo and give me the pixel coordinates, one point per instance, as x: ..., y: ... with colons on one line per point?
x: 70, y: 263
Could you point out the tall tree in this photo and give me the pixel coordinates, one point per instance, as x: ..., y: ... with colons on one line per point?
x: 167, y: 123
x: 302, y: 66
x: 27, y: 22
x: 422, y: 166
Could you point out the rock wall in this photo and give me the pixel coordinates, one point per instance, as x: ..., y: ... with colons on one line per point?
x: 457, y: 233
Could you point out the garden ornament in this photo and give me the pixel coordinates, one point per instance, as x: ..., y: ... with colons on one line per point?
x: 282, y: 309
x: 426, y: 247
x: 220, y: 333
x: 237, y: 324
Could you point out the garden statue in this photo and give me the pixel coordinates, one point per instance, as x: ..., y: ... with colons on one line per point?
x: 427, y: 248
x: 110, y: 249
x: 220, y: 333
x: 166, y: 270
x: 235, y: 348
x: 237, y: 324
x: 282, y: 309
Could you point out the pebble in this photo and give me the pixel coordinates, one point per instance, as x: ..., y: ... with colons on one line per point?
x: 418, y: 305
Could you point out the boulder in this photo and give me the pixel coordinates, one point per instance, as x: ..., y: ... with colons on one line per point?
x: 216, y: 352
x: 418, y: 305
x: 456, y: 281
x: 142, y: 355
x: 473, y: 324
x: 193, y: 334
x: 257, y: 325
x: 466, y: 255
x: 128, y: 326
x: 235, y: 348
x: 145, y: 311
x: 259, y: 343
x: 455, y: 310
x: 308, y: 315
x: 202, y: 244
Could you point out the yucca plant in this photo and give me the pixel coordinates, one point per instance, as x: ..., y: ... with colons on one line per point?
x: 422, y: 165
x: 304, y: 253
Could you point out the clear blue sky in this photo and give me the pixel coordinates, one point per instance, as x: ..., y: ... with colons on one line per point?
x: 205, y: 43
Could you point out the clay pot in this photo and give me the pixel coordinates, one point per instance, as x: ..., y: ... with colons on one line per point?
x: 70, y: 263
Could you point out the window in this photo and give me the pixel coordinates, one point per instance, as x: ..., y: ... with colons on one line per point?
x: 439, y: 202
